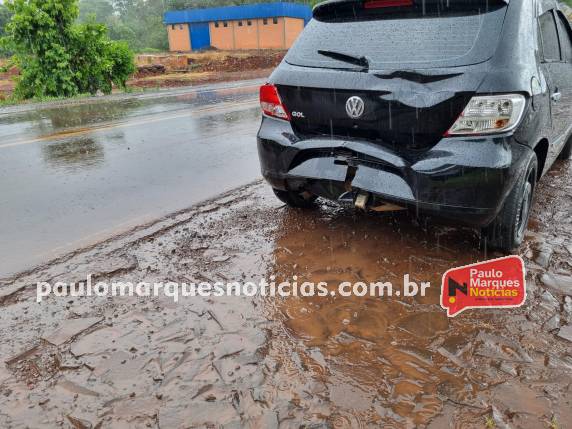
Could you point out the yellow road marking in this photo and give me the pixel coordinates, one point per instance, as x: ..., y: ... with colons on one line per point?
x: 142, y: 121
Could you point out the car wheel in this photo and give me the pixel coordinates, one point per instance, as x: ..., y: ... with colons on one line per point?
x: 567, y: 151
x: 507, y: 231
x: 302, y: 200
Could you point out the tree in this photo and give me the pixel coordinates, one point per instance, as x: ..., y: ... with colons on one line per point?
x: 100, y: 10
x: 58, y: 57
x: 99, y: 62
x: 40, y: 32
x: 144, y: 19
x: 138, y: 22
x: 4, y: 18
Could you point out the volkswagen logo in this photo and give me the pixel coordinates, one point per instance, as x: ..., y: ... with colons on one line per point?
x: 355, y: 107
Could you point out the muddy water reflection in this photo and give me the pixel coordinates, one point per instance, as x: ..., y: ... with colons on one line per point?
x: 375, y: 356
x: 73, y: 155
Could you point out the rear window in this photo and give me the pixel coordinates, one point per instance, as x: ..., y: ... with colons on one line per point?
x: 438, y: 33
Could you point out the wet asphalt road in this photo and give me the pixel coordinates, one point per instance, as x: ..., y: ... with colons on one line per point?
x: 74, y: 174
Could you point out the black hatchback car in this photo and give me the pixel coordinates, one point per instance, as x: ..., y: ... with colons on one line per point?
x: 449, y: 107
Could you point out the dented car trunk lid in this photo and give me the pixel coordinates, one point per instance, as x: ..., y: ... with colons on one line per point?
x: 405, y: 120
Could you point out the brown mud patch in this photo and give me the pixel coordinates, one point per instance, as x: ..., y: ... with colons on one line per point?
x: 299, y: 361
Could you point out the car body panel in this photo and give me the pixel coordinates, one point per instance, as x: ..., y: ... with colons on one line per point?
x: 386, y: 153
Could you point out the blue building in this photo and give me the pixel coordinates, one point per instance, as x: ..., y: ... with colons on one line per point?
x: 253, y: 26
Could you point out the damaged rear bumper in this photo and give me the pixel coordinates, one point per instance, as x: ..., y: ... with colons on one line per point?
x: 465, y: 180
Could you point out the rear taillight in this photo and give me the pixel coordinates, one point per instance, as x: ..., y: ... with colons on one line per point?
x: 271, y: 103
x: 378, y: 4
x: 489, y: 114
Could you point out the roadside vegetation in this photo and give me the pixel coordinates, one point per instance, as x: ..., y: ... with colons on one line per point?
x: 51, y: 49
x: 137, y: 22
x: 58, y: 57
x: 4, y: 19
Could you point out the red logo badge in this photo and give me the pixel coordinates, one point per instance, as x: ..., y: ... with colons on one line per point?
x: 498, y: 283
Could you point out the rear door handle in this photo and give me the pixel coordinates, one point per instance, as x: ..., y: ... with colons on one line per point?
x: 557, y: 96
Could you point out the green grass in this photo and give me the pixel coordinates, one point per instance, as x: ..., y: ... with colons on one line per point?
x: 11, y: 101
x: 554, y: 423
x: 149, y: 51
x: 490, y: 422
x: 7, y: 102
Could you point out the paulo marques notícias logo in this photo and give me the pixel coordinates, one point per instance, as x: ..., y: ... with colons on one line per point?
x: 498, y: 283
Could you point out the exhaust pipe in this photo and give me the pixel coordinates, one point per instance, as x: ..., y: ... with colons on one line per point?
x: 387, y: 207
x: 361, y: 201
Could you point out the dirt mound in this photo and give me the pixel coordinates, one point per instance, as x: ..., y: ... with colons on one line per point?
x: 175, y: 70
x: 171, y: 62
x: 211, y: 61
x: 232, y: 63
x: 7, y: 80
x: 175, y: 80
x: 150, y: 70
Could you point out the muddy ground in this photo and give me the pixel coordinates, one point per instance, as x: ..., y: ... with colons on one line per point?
x: 178, y: 80
x: 292, y: 362
x: 203, y: 67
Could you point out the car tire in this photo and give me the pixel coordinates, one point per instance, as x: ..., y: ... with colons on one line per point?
x: 567, y: 151
x: 507, y: 231
x: 299, y: 200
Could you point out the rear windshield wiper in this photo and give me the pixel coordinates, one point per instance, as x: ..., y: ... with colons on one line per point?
x: 347, y: 58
